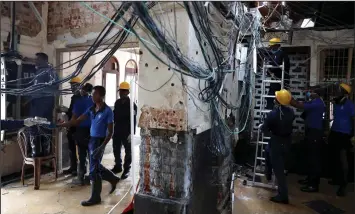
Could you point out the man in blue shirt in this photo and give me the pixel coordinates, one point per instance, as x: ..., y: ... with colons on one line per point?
x: 279, y: 123
x: 82, y: 133
x: 314, y: 110
x: 101, y: 131
x: 340, y: 136
x: 74, y: 83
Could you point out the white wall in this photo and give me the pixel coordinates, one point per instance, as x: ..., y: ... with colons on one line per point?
x: 318, y: 40
x: 154, y: 74
x: 122, y: 57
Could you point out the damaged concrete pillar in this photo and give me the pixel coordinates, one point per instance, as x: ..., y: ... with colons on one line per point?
x: 177, y: 171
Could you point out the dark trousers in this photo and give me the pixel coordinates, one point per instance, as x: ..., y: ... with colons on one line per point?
x: 268, y: 165
x: 82, y: 138
x: 72, y: 150
x: 279, y: 147
x: 340, y: 145
x: 120, y: 140
x: 314, y: 156
x: 96, y: 168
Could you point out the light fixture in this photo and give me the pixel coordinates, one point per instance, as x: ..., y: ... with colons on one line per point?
x: 264, y: 3
x: 283, y: 3
x: 307, y: 23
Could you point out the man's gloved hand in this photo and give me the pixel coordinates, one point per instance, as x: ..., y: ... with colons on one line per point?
x: 97, y: 153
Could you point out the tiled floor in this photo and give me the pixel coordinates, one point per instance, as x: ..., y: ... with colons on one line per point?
x: 61, y: 198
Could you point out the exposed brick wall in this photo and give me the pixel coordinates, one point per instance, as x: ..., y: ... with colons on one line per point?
x: 165, y: 164
x: 168, y: 119
x: 75, y: 18
x: 298, y: 82
x: 28, y: 25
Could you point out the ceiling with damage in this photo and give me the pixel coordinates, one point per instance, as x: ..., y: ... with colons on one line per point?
x: 325, y: 14
x: 315, y: 15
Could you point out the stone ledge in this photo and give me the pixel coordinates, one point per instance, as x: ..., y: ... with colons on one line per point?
x: 168, y: 119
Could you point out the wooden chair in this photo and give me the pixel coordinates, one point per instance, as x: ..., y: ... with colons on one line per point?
x: 35, y: 162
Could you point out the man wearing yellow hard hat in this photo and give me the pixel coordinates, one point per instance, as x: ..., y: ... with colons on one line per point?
x: 122, y: 130
x: 341, y: 132
x: 313, y: 111
x: 279, y: 123
x: 276, y: 57
x: 74, y: 83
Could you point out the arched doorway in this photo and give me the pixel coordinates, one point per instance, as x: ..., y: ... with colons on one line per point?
x: 110, y: 80
x: 131, y: 76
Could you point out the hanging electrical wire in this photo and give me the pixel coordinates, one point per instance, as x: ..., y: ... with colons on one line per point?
x: 118, y: 40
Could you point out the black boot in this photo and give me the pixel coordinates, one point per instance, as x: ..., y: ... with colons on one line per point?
x: 125, y: 174
x: 303, y: 181
x: 95, y: 198
x: 116, y: 169
x: 86, y: 180
x: 333, y: 182
x: 71, y: 171
x: 79, y: 180
x: 341, y: 191
x: 309, y: 189
x: 279, y: 199
x: 107, y: 175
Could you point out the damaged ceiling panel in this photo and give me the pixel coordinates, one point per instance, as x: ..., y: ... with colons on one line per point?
x: 320, y: 15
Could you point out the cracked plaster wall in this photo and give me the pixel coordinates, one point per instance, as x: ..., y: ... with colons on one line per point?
x: 75, y: 20
x: 165, y: 120
x: 32, y: 38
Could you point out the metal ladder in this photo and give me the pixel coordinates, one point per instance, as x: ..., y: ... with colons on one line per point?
x: 262, y: 141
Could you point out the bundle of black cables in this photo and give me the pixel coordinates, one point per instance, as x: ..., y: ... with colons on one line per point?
x: 118, y: 39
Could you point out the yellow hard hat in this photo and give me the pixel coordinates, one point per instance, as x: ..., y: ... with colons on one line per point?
x: 124, y: 86
x: 346, y: 87
x: 283, y: 97
x: 274, y: 41
x: 75, y: 80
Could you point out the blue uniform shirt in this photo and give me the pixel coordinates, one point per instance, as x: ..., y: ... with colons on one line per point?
x: 99, y: 120
x: 343, y: 114
x: 314, y: 113
x: 279, y: 121
x: 81, y: 105
x: 42, y: 102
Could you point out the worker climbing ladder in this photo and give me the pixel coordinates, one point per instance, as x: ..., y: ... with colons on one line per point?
x: 262, y: 140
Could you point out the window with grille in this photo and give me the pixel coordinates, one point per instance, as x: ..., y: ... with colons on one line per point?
x: 336, y: 65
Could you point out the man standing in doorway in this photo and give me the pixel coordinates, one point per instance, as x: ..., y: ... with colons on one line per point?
x: 101, y: 131
x: 279, y: 123
x: 82, y: 133
x: 74, y: 83
x: 342, y: 131
x: 122, y: 115
x: 313, y: 114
